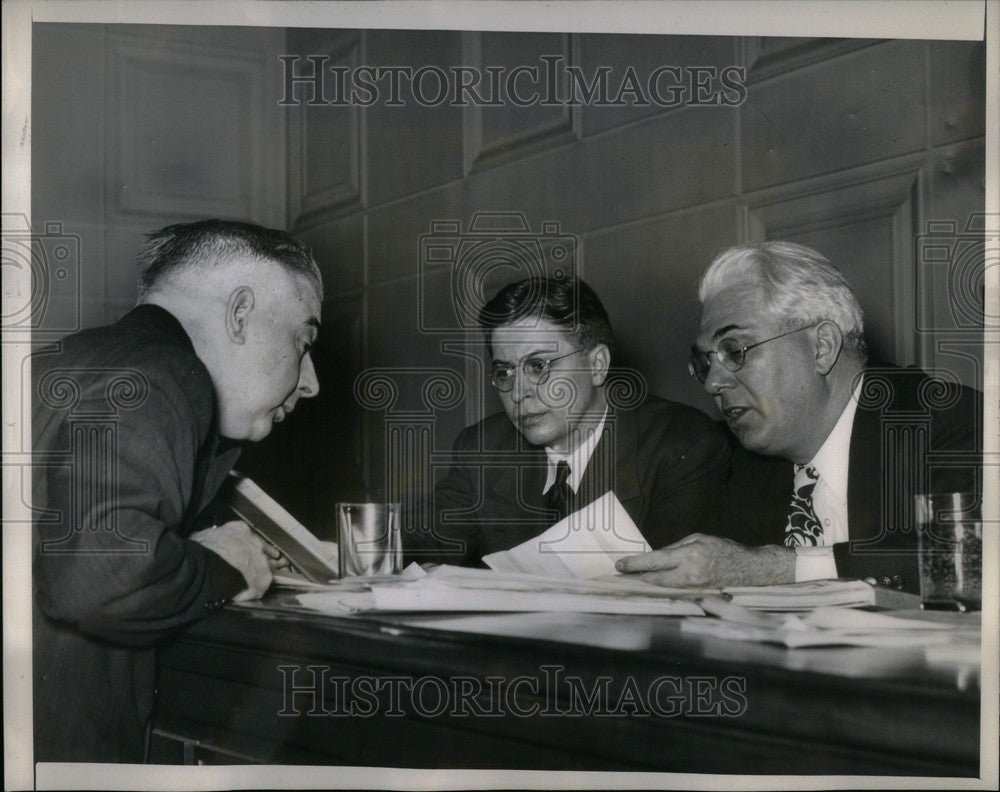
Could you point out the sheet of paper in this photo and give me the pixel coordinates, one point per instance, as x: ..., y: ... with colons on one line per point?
x: 804, y: 596
x: 467, y: 577
x: 447, y: 598
x: 795, y: 637
x: 293, y: 580
x: 585, y: 544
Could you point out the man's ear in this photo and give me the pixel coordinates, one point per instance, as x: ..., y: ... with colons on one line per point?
x: 600, y: 362
x: 829, y: 343
x: 238, y: 308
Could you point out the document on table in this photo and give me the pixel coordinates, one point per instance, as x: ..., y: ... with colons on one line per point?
x: 448, y: 588
x: 828, y: 626
x: 585, y: 544
x: 455, y: 589
x: 424, y: 596
x: 803, y: 596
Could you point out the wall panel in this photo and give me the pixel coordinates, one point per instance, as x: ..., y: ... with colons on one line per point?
x: 957, y: 73
x: 655, y: 308
x: 518, y: 116
x: 413, y: 146
x: 645, y: 55
x: 866, y: 230
x: 861, y: 107
x: 138, y: 126
x: 326, y: 145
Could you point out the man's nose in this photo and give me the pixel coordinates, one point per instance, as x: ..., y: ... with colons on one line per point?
x: 718, y: 378
x: 308, y: 383
x: 522, y: 388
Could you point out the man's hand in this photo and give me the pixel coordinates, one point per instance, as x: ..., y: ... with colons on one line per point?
x: 241, y: 548
x: 700, y: 561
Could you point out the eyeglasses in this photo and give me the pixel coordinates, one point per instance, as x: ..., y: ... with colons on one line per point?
x: 731, y: 354
x: 536, y: 370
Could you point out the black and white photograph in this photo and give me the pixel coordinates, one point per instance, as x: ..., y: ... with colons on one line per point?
x: 435, y: 395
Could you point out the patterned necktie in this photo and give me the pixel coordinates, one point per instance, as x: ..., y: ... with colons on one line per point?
x: 559, y: 494
x: 804, y: 528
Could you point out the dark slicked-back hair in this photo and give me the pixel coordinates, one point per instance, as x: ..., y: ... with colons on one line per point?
x: 207, y: 243
x: 569, y: 304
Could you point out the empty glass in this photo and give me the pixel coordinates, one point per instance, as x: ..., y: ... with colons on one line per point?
x: 369, y: 539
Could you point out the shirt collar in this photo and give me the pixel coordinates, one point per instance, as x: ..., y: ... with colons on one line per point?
x: 578, y: 459
x: 833, y: 458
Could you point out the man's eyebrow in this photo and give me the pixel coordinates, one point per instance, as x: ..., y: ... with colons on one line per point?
x: 723, y: 330
x: 545, y: 348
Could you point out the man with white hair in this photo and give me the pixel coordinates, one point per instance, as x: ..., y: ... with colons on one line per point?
x: 134, y: 428
x: 831, y: 449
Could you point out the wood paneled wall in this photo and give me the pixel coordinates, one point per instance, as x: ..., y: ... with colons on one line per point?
x: 852, y: 146
x: 138, y: 126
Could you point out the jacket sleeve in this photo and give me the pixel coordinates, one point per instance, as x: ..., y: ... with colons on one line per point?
x: 691, y: 461
x: 112, y: 561
x: 431, y: 532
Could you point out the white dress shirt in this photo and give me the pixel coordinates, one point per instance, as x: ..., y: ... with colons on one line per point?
x: 832, y: 463
x: 577, y: 458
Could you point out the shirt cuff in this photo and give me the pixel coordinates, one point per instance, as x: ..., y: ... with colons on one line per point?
x: 814, y: 563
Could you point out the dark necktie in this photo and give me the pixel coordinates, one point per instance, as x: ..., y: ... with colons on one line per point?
x: 804, y: 528
x: 559, y: 494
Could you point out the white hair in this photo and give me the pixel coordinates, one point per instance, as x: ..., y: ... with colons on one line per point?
x: 800, y: 286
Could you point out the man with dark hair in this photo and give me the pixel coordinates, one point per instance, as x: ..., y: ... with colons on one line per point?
x: 133, y: 427
x: 566, y: 437
x: 831, y: 449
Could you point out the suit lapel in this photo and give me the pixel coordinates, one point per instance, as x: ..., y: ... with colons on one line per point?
x: 864, y: 497
x: 612, y: 465
x: 523, y: 476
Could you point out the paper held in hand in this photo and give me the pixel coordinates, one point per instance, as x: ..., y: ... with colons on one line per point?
x: 316, y: 560
x: 585, y: 544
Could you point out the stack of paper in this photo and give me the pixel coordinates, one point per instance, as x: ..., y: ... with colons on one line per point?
x: 804, y: 596
x: 453, y: 589
x: 456, y: 589
x: 826, y: 626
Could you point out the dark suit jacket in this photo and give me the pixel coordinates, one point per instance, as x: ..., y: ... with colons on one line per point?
x: 127, y: 454
x: 664, y: 461
x: 911, y: 434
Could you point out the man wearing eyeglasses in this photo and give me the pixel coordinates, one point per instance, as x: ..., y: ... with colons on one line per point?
x: 830, y: 448
x: 563, y: 440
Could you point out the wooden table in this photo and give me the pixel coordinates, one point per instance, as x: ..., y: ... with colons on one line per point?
x: 554, y: 692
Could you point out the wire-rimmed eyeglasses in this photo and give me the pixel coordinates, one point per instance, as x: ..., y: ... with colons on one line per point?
x: 536, y: 369
x: 731, y: 354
